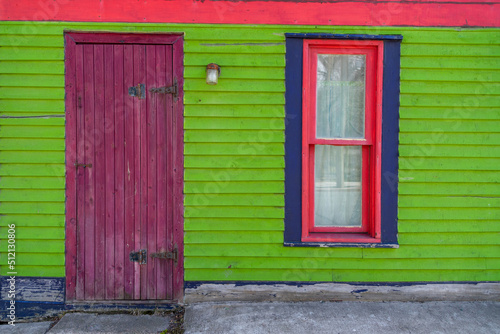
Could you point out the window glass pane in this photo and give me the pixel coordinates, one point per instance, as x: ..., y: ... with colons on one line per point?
x: 340, y: 96
x: 337, y: 186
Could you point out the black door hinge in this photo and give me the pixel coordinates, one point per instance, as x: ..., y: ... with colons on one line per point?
x: 166, y: 90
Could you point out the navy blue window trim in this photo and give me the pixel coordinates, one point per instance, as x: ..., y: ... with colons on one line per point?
x: 293, y: 139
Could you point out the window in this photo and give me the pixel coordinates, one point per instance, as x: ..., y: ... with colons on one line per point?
x: 341, y: 132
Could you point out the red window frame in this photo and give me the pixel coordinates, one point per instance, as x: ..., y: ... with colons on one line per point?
x: 370, y: 231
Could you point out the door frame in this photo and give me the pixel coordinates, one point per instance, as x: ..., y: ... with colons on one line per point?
x: 73, y: 38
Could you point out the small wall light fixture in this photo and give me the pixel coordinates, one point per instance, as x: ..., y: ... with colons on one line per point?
x: 213, y: 72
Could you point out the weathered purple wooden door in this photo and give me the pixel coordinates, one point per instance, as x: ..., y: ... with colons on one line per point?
x: 125, y: 171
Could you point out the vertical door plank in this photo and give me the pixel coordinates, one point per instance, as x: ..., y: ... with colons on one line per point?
x: 71, y: 189
x: 80, y: 175
x: 89, y: 183
x: 140, y: 170
x: 162, y: 275
x: 99, y: 166
x: 151, y: 214
x: 109, y: 169
x: 177, y: 170
x: 170, y: 166
x: 119, y: 171
x: 129, y: 169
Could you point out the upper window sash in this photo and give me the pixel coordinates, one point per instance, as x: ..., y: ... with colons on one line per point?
x: 373, y: 50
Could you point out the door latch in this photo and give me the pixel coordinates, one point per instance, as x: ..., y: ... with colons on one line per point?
x: 166, y: 255
x: 141, y: 256
x: 82, y: 165
x: 138, y: 91
x: 166, y: 90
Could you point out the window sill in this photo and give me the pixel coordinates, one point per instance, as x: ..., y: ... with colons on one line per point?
x: 339, y: 237
x: 339, y: 244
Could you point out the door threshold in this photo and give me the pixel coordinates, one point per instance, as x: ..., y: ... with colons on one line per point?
x: 94, y: 305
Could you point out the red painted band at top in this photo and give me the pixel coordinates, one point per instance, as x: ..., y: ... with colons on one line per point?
x: 463, y: 13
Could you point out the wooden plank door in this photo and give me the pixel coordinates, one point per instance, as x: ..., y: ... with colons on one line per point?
x: 124, y: 167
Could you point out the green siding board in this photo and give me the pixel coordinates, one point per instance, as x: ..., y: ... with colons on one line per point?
x: 232, y: 212
x: 333, y: 263
x: 234, y: 136
x: 425, y: 87
x: 234, y: 98
x: 38, y: 121
x: 23, y: 53
x: 233, y: 187
x: 438, y: 113
x: 445, y: 176
x: 451, y: 63
x: 231, y: 224
x: 449, y: 100
x: 449, y: 151
x: 30, y: 259
x: 444, y: 74
x: 249, y: 161
x: 224, y: 46
x: 43, y: 157
x: 450, y: 238
x: 7, y: 195
x: 272, y: 60
x: 29, y: 80
x: 45, y: 182
x: 231, y: 111
x: 211, y: 237
x: 454, y: 125
x: 449, y: 163
x: 233, y: 149
x: 33, y: 67
x: 449, y: 213
x: 261, y: 174
x: 19, y: 144
x: 15, y: 131
x: 449, y: 224
x: 415, y: 36
x: 30, y: 41
x: 350, y: 275
x: 448, y: 138
x: 224, y: 123
x: 36, y: 271
x: 236, y: 85
x: 34, y: 220
x: 32, y: 208
x: 34, y: 106
x: 237, y: 72
x: 39, y: 246
x: 30, y: 233
x: 453, y: 50
x: 431, y: 251
x: 449, y: 189
x: 240, y: 200
x: 234, y: 164
x: 32, y: 169
x: 29, y: 93
x: 468, y: 201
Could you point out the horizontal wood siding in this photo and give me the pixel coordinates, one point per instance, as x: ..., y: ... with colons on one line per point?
x: 449, y: 197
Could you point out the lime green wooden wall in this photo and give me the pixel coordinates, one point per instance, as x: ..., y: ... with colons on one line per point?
x: 449, y: 197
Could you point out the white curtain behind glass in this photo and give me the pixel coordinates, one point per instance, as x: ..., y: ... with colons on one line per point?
x: 340, y: 113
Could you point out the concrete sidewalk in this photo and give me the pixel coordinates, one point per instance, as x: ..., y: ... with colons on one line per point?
x: 76, y: 323
x: 343, y: 317
x: 296, y: 318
